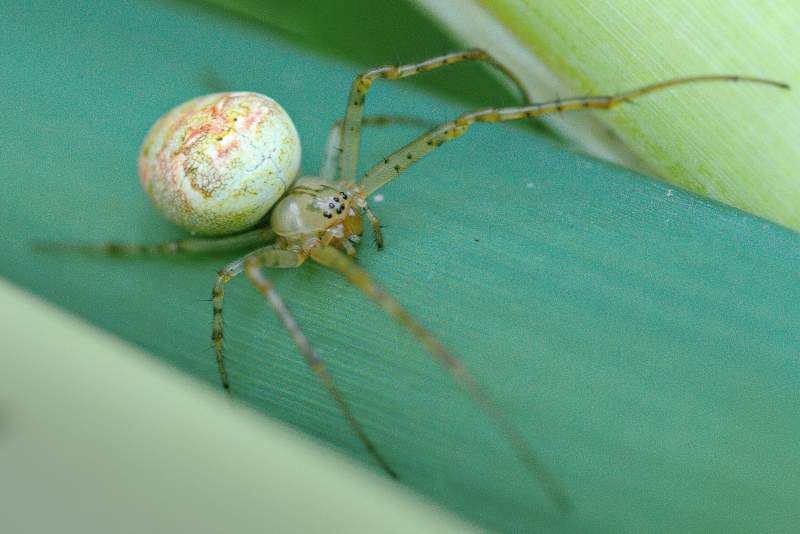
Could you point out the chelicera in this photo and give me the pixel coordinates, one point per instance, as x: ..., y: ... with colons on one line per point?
x: 218, y: 164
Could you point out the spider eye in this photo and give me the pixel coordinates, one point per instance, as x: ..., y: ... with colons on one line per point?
x: 343, y: 195
x: 327, y: 214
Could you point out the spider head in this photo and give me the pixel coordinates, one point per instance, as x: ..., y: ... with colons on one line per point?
x: 314, y: 207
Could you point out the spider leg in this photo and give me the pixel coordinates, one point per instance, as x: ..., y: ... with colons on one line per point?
x: 390, y: 167
x: 351, y: 130
x: 217, y: 294
x: 271, y: 257
x: 376, y: 225
x: 186, y: 246
x: 252, y: 264
x: 333, y: 258
x: 333, y: 144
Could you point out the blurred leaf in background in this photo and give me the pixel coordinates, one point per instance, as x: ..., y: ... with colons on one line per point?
x: 369, y: 34
x: 736, y: 144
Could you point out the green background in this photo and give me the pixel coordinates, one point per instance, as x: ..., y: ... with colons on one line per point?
x: 643, y: 338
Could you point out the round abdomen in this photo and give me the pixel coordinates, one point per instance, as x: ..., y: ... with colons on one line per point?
x: 216, y: 164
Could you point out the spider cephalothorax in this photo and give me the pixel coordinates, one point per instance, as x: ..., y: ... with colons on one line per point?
x: 217, y: 164
x: 317, y: 211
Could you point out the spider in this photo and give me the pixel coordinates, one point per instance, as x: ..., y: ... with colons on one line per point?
x: 219, y: 164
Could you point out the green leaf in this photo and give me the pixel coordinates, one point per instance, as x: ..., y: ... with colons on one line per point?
x: 737, y: 144
x: 643, y: 338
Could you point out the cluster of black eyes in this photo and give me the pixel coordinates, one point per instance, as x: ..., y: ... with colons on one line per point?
x: 336, y: 204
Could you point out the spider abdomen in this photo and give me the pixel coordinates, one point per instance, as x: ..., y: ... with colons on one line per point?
x: 217, y: 164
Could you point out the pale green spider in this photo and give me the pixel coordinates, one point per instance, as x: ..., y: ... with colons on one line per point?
x: 219, y: 163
